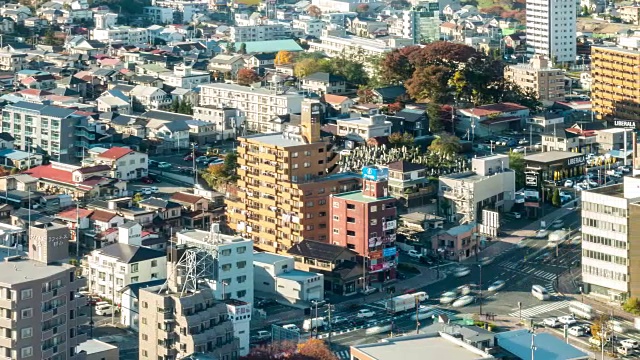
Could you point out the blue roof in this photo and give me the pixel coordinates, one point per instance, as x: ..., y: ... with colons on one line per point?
x: 547, y: 346
x: 14, y: 154
x: 270, y: 46
x: 620, y: 153
x: 31, y: 72
x: 268, y: 258
x: 45, y: 110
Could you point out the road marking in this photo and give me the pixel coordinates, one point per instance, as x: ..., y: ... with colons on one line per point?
x: 541, y: 309
x: 342, y: 354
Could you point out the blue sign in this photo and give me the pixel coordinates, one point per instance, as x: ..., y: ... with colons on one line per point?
x: 374, y: 173
x: 389, y: 252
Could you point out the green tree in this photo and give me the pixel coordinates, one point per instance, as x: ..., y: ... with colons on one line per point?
x: 230, y: 48
x: 516, y: 163
x: 401, y: 139
x: 309, y: 66
x: 230, y: 165
x: 446, y: 146
x: 137, y: 198
x: 555, y: 198
x: 243, y: 49
x: 49, y: 37
x: 175, y: 105
x: 632, y: 305
x: 434, y: 114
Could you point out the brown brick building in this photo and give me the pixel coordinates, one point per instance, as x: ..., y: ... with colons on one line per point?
x: 284, y: 183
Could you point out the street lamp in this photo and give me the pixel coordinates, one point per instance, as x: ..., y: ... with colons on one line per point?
x: 480, y: 295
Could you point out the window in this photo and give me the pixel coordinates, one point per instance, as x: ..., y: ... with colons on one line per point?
x: 226, y: 267
x: 26, y: 313
x: 241, y: 264
x: 336, y: 218
x: 26, y: 333
x: 26, y: 352
x: 241, y: 250
x: 336, y: 231
x: 309, y: 204
x: 307, y: 164
x: 336, y: 204
x: 351, y: 220
x: 241, y: 293
x: 322, y: 202
x: 351, y: 206
x: 294, y: 155
x: 374, y: 208
x: 373, y: 222
x: 134, y: 279
x: 322, y: 214
x: 26, y: 294
x: 241, y: 279
x: 351, y: 233
x: 134, y: 268
x: 225, y: 252
x: 144, y: 321
x: 154, y: 263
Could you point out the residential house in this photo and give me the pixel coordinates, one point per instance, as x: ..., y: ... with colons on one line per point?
x: 263, y: 60
x: 227, y: 64
x: 12, y: 62
x: 337, y: 264
x: 560, y: 140
x: 225, y: 121
x: 168, y: 128
x: 389, y: 94
x: 410, y: 120
x: 168, y: 211
x: 196, y: 213
x: 185, y: 77
x: 147, y: 97
x: 22, y: 160
x: 123, y: 163
x: 276, y: 276
x: 457, y: 243
x: 341, y: 104
x: 7, y: 25
x: 364, y: 128
x: 324, y: 83
x: 40, y: 82
x: 367, y: 28
x: 114, y: 101
x: 491, y: 119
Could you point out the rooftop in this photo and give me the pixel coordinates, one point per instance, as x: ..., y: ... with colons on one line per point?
x: 415, y: 347
x: 268, y: 258
x: 547, y: 346
x: 93, y: 346
x: 205, y: 237
x: 17, y: 272
x: 551, y: 156
x: 278, y: 139
x: 129, y: 254
x: 318, y: 250
x: 298, y: 275
x: 357, y: 196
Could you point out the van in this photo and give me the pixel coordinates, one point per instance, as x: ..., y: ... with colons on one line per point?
x: 581, y: 310
x: 100, y: 303
x: 540, y: 292
x: 103, y: 310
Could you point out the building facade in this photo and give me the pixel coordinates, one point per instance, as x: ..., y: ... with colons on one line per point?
x: 608, y: 270
x: 614, y: 85
x: 364, y: 128
x: 539, y: 77
x: 284, y: 183
x: 366, y: 221
x: 275, y: 275
x: 551, y: 29
x: 257, y: 106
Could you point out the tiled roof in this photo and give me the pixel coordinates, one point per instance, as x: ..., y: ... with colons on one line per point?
x: 185, y: 198
x: 405, y: 166
x: 130, y: 254
x: 93, y: 169
x: 335, y: 99
x: 101, y: 215
x: 115, y: 153
x: 72, y: 214
x: 486, y: 110
x: 50, y: 173
x: 317, y: 250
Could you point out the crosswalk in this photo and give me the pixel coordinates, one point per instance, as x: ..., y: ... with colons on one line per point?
x: 517, y: 266
x: 541, y: 309
x: 380, y: 304
x: 342, y: 354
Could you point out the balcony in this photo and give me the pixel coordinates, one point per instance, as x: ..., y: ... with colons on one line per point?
x: 7, y: 323
x: 83, y: 144
x: 85, y: 134
x: 7, y: 342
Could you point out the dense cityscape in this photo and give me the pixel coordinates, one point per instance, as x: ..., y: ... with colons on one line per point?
x: 319, y: 180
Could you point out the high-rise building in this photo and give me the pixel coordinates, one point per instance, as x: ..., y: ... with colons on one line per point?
x: 284, y: 183
x: 365, y: 221
x: 609, y: 255
x: 39, y: 310
x: 422, y: 23
x: 615, y: 85
x: 182, y: 317
x: 551, y: 29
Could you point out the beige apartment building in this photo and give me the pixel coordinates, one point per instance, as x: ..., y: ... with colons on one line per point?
x: 39, y: 310
x: 538, y: 76
x: 177, y: 320
x: 285, y: 180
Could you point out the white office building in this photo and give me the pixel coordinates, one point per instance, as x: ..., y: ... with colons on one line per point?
x: 235, y: 258
x: 266, y: 32
x: 275, y: 276
x: 121, y: 34
x: 608, y: 268
x: 258, y: 106
x: 551, y: 29
x: 363, y: 128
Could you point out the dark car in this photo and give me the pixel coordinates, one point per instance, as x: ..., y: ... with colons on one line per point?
x: 147, y: 180
x: 426, y: 260
x: 265, y: 302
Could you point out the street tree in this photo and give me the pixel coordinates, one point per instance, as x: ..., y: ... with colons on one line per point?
x: 314, y: 349
x: 362, y: 8
x: 555, y: 198
x: 434, y: 114
x: 516, y: 163
x: 243, y: 49
x: 137, y: 198
x: 247, y: 76
x: 309, y: 66
x: 365, y: 95
x: 283, y: 57
x: 632, y: 305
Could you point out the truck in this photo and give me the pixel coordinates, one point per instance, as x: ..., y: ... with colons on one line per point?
x: 405, y: 302
x: 310, y: 324
x: 557, y: 237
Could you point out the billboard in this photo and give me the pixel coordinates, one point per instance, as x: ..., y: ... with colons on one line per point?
x: 389, y: 252
x: 531, y: 179
x: 375, y: 173
x: 624, y: 123
x: 577, y: 161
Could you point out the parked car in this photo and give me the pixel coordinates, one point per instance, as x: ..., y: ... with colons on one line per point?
x: 425, y: 260
x: 568, y: 183
x: 369, y: 290
x: 630, y: 343
x: 147, y: 180
x: 202, y: 159
x: 541, y: 234
x: 146, y: 191
x: 557, y: 224
x: 568, y: 320
x: 164, y: 165
x: 551, y: 322
x: 188, y: 158
x: 365, y: 313
x: 154, y: 189
x: 463, y: 301
x: 104, y: 309
x: 153, y: 163
x: 576, y: 331
x: 291, y: 327
x: 448, y: 297
x: 338, y: 319
x: 513, y: 215
x: 413, y: 254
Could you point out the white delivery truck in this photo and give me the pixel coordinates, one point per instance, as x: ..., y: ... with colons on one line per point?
x: 405, y: 302
x: 313, y: 323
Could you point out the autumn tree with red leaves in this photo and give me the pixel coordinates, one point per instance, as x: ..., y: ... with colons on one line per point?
x: 247, y: 76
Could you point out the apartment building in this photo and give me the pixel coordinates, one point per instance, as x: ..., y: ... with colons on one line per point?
x: 40, y: 313
x: 13, y: 62
x: 366, y: 221
x: 185, y: 10
x: 239, y: 34
x: 422, y: 23
x: 489, y: 185
x: 234, y: 258
x: 123, y: 263
x: 609, y: 269
x: 158, y: 15
x: 178, y: 320
x: 363, y: 128
x: 630, y: 14
x: 225, y: 121
x: 551, y: 29
x: 124, y: 163
x: 121, y: 34
x: 258, y: 106
x: 539, y: 77
x: 615, y: 80
x: 285, y: 180
x: 105, y: 20
x: 409, y: 184
x: 42, y: 127
x: 311, y: 27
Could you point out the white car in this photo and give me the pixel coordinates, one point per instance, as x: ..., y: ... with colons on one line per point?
x: 365, y: 313
x: 576, y: 331
x: 164, y: 165
x: 464, y: 289
x: 448, y: 297
x: 523, y: 141
x: 519, y: 149
x: 551, y: 322
x: 541, y: 234
x: 568, y: 320
x: 568, y: 183
x: 461, y: 271
x: 630, y: 343
x: 369, y: 290
x: 154, y: 189
x: 496, y: 285
x: 146, y: 191
x: 624, y: 169
x: 413, y: 254
x: 338, y: 319
x: 557, y: 224
x: 463, y: 301
x: 291, y: 327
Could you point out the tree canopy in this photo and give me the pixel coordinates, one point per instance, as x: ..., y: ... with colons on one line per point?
x: 444, y: 72
x: 247, y: 76
x: 401, y: 139
x: 446, y: 146
x: 283, y: 57
x: 351, y: 70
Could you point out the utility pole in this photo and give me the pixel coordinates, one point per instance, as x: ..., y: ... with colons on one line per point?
x: 195, y: 171
x: 78, y: 232
x: 315, y: 321
x: 417, y: 313
x: 480, y: 295
x: 113, y: 293
x: 330, y: 325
